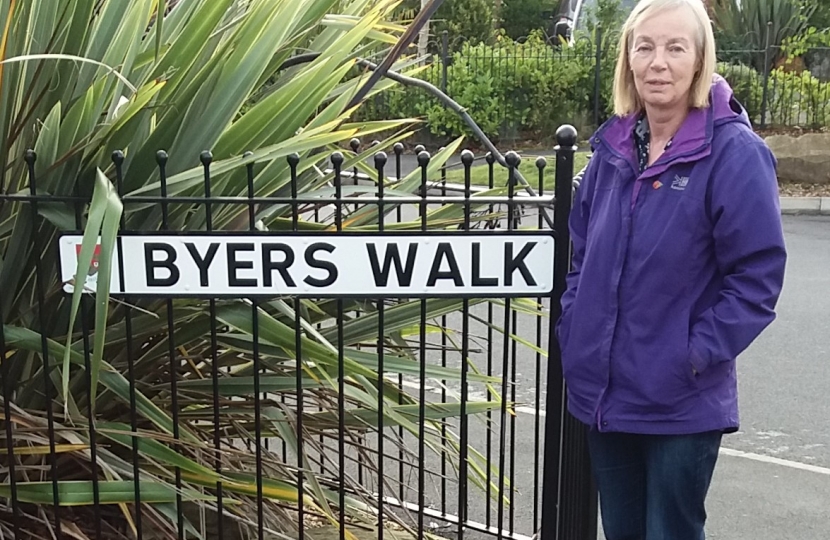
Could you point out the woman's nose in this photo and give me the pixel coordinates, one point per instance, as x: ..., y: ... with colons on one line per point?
x: 658, y: 63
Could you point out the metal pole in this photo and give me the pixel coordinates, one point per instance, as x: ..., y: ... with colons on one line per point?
x: 767, y: 59
x: 597, y: 74
x: 445, y: 55
x: 555, y: 406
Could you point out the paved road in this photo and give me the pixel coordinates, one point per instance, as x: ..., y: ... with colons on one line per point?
x: 773, y: 477
x: 784, y: 390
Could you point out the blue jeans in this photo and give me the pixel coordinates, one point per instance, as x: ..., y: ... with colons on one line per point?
x: 653, y: 487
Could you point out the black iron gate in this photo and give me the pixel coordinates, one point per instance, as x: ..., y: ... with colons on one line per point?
x: 368, y: 353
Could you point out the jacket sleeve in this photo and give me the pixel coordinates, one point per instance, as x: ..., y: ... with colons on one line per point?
x: 750, y: 253
x: 578, y: 227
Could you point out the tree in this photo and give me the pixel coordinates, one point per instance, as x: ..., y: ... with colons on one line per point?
x: 519, y: 18
x: 464, y: 20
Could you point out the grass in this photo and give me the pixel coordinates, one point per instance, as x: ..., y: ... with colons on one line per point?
x: 480, y: 175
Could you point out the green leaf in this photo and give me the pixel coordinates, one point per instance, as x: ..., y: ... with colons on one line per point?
x: 109, y: 231
x: 149, y: 447
x: 95, y: 219
x: 79, y: 493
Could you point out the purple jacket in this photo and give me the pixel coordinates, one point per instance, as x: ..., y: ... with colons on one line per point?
x: 675, y: 272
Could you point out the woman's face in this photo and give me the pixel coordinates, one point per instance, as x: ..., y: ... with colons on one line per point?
x: 664, y: 58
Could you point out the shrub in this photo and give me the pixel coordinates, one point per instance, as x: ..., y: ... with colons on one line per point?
x: 797, y: 99
x: 470, y: 19
x: 747, y: 84
x: 520, y: 18
x: 793, y: 98
x: 529, y: 87
x: 743, y: 23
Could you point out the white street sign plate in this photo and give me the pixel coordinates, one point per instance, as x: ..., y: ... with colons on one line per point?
x: 498, y: 263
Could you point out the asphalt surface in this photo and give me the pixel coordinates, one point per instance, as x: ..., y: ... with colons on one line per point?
x: 773, y: 477
x: 784, y: 389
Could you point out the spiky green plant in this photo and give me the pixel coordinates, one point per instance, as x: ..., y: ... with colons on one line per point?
x: 81, y: 79
x: 745, y: 24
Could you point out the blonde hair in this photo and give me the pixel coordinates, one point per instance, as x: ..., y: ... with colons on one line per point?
x: 626, y: 99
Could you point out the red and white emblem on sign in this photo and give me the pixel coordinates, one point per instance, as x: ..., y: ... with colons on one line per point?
x: 93, y: 265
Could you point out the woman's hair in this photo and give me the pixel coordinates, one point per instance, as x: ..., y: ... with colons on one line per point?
x: 626, y: 99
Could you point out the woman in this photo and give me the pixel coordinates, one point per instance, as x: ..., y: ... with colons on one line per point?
x: 678, y: 261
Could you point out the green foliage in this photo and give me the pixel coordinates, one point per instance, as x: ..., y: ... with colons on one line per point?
x: 793, y: 98
x: 746, y: 83
x: 798, y: 45
x: 470, y: 19
x: 463, y: 20
x: 527, y: 86
x: 797, y: 98
x: 520, y: 18
x: 745, y: 23
x: 610, y: 15
x: 820, y: 18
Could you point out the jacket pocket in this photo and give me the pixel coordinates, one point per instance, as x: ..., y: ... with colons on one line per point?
x: 653, y: 371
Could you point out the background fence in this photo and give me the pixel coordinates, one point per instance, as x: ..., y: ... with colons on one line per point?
x: 525, y: 89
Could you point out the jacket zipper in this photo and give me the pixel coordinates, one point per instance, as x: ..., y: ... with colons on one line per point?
x: 629, y: 235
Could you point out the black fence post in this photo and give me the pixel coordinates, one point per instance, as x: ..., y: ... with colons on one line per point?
x: 555, y: 405
x: 569, y: 502
x: 445, y: 54
x: 597, y: 73
x: 767, y: 60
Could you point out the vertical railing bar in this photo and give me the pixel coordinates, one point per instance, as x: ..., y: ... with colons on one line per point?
x: 354, y: 144
x: 293, y: 162
x: 512, y: 160
x: 467, y: 159
x: 597, y: 73
x: 541, y: 164
x: 161, y: 158
x: 249, y: 173
x: 380, y: 163
x: 337, y: 161
x: 398, y: 149
x: 31, y: 158
x: 93, y: 443
x: 443, y: 381
x: 490, y: 159
x: 118, y: 160
x: 423, y: 162
x: 206, y: 158
x: 765, y: 89
x: 5, y: 370
x: 513, y: 223
x: 514, y: 361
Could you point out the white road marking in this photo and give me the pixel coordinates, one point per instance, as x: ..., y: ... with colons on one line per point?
x: 775, y: 461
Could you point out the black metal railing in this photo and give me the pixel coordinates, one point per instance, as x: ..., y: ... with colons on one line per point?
x: 274, y: 363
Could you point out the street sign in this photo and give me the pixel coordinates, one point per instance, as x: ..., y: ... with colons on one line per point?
x: 515, y: 263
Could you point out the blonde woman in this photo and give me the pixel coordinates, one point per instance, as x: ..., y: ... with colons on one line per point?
x: 678, y: 263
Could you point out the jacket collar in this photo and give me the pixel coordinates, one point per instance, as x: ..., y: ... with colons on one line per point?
x: 691, y: 141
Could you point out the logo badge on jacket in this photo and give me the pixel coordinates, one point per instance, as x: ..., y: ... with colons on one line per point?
x: 657, y: 184
x: 679, y: 183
